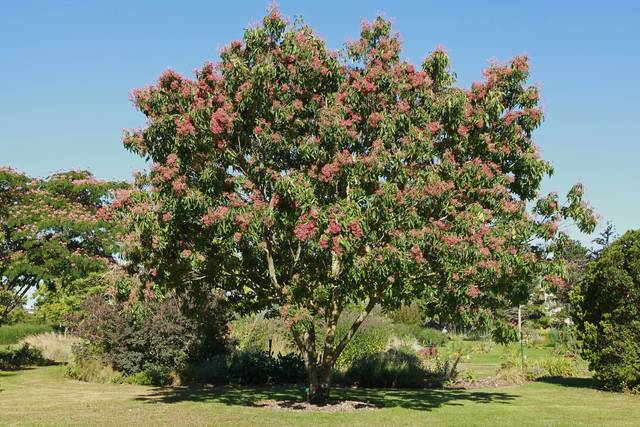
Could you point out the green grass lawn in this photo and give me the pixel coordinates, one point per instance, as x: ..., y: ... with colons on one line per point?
x: 483, y: 358
x: 42, y: 396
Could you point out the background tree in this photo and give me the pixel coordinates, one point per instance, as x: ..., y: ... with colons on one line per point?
x: 607, y: 314
x: 604, y: 239
x: 50, y: 235
x: 302, y: 179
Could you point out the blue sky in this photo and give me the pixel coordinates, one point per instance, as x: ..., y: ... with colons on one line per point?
x: 66, y: 70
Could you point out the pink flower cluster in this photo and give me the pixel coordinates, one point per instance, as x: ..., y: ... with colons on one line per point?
x: 356, y: 231
x: 184, y: 127
x: 473, y: 291
x: 417, y: 254
x: 214, y: 215
x: 305, y: 229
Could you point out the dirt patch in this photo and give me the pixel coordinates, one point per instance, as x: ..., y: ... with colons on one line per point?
x: 484, y: 383
x: 297, y: 405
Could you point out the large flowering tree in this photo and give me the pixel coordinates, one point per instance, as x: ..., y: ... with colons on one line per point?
x: 50, y: 235
x: 307, y: 180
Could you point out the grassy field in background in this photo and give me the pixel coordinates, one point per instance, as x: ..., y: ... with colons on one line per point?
x: 43, y: 397
x: 11, y: 334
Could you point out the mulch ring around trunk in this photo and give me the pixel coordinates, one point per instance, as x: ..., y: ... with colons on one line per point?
x: 331, y: 406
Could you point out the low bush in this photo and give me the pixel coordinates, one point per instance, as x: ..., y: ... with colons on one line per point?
x: 255, y: 366
x: 390, y: 369
x: 252, y: 366
x: 215, y: 370
x: 92, y: 369
x: 54, y: 346
x: 372, y: 337
x: 407, y: 315
x: 559, y: 367
x: 21, y: 357
x: 152, y: 343
x: 399, y: 368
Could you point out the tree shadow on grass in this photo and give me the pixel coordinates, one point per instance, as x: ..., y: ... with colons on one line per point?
x: 423, y: 400
x: 571, y: 382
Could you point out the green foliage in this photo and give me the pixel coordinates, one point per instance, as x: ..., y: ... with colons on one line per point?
x: 607, y: 314
x: 256, y: 331
x: 372, y: 338
x: 400, y: 368
x: 12, y: 334
x: 302, y: 180
x: 92, y: 369
x: 390, y: 369
x: 214, y: 370
x: 559, y: 367
x: 254, y: 366
x: 157, y: 339
x: 407, y: 314
x: 21, y: 357
x: 51, y: 234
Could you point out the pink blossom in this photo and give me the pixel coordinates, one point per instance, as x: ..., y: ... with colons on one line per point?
x: 179, y: 185
x: 167, y: 216
x: 374, y: 119
x: 473, y: 291
x: 323, y: 243
x: 328, y: 171
x: 403, y: 106
x: 337, y: 249
x: 334, y: 227
x: 184, y: 127
x: 434, y: 127
x: 356, y: 231
x: 417, y: 254
x: 305, y: 230
x: 463, y: 131
x: 451, y: 240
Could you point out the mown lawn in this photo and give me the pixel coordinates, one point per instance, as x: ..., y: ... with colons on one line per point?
x: 42, y: 396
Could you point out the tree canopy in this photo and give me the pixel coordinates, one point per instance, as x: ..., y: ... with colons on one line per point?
x: 50, y: 235
x: 304, y: 180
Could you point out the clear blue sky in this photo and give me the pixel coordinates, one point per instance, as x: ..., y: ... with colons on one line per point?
x: 66, y: 70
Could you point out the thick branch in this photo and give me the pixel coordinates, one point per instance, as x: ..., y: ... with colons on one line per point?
x: 354, y: 327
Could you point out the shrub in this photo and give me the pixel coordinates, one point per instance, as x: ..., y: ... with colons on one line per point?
x: 407, y: 315
x: 255, y: 366
x: 23, y: 356
x: 54, y: 346
x: 251, y: 366
x: 211, y: 371
x: 153, y: 342
x: 559, y: 367
x: 607, y: 314
x: 372, y: 337
x: 290, y: 368
x: 390, y: 369
x: 426, y: 337
x: 92, y: 369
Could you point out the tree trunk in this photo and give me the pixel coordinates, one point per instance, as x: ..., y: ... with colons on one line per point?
x: 319, y: 384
